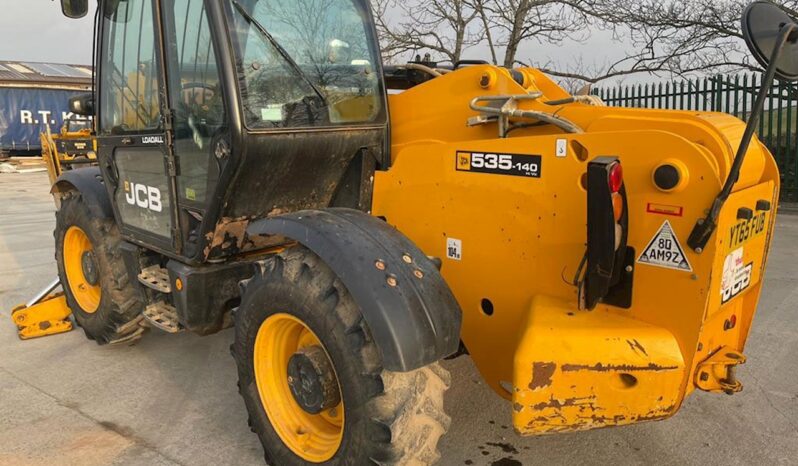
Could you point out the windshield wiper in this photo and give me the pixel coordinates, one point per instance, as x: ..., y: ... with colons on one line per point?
x: 283, y: 53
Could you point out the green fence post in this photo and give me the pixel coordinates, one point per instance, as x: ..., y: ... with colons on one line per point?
x: 770, y: 118
x: 681, y: 95
x: 668, y: 97
x: 788, y: 136
x: 779, y: 89
x: 727, y: 83
x: 745, y: 97
x: 791, y: 193
x: 737, y: 96
x: 761, y: 120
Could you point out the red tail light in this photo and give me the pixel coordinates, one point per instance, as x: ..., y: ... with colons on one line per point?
x: 608, y: 256
x: 615, y: 178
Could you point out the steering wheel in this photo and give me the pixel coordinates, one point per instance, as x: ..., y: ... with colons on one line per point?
x: 196, y: 93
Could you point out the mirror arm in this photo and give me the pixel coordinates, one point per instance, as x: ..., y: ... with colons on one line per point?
x: 704, y: 227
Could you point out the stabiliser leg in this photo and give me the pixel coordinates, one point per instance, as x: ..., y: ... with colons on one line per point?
x: 46, y: 314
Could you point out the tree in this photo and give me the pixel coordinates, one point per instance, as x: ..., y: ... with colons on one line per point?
x: 544, y: 21
x: 446, y: 27
x: 449, y: 27
x: 674, y: 37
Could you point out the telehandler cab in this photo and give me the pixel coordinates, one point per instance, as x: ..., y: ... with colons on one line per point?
x: 599, y: 264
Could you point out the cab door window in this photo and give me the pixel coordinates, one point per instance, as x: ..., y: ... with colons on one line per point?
x: 306, y: 63
x: 129, y: 91
x: 196, y: 98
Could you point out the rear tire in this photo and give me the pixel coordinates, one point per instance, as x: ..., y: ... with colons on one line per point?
x: 389, y: 418
x: 106, y: 304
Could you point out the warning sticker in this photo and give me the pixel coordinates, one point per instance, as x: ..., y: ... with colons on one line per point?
x: 454, y: 249
x: 665, y: 251
x: 736, y: 276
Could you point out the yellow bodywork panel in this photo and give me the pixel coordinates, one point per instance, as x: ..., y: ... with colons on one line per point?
x: 618, y: 371
x: 48, y: 317
x: 512, y: 245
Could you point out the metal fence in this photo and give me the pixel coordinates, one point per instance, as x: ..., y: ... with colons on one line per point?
x: 735, y: 95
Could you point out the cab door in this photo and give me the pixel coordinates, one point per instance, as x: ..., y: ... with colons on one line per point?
x: 201, y: 135
x: 134, y: 128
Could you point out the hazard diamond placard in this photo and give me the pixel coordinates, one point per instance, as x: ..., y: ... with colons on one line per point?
x: 665, y: 251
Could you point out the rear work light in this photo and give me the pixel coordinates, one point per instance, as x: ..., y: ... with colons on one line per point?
x: 609, y: 272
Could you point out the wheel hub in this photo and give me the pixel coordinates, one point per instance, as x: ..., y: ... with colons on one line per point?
x: 312, y: 380
x: 88, y: 263
x: 82, y: 276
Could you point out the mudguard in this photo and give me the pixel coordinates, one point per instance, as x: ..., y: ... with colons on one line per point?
x: 413, y: 315
x: 89, y: 183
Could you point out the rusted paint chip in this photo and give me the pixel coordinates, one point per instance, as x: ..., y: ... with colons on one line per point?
x: 542, y: 373
x: 637, y: 347
x: 599, y: 367
x: 587, y: 401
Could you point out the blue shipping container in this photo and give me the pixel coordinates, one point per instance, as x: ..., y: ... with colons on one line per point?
x: 24, y: 112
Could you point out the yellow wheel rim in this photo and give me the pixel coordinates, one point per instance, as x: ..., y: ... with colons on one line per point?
x: 314, y: 438
x: 76, y: 244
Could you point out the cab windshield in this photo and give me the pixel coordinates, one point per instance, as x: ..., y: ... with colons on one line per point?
x: 305, y: 63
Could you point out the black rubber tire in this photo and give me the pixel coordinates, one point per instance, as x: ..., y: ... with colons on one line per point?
x: 118, y: 318
x: 390, y: 418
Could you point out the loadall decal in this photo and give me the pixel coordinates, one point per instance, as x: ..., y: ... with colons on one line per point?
x: 665, y: 251
x: 528, y: 166
x: 152, y: 140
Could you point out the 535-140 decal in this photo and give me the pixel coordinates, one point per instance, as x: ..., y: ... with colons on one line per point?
x: 528, y: 166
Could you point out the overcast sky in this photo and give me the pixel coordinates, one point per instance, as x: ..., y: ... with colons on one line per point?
x: 35, y: 30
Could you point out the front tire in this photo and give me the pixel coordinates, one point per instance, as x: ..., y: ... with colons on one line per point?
x: 99, y: 292
x: 296, y: 305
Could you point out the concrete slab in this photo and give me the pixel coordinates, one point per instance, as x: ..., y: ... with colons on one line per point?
x: 173, y: 400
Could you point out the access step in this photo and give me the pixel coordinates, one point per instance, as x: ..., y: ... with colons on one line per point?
x: 156, y: 278
x: 163, y: 316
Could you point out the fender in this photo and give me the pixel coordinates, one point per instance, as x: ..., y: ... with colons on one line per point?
x: 89, y: 183
x: 413, y: 315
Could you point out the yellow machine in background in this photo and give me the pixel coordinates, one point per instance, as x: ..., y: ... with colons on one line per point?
x: 46, y: 314
x: 71, y: 147
x: 74, y: 146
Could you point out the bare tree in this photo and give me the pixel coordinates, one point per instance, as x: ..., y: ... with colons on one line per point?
x: 544, y: 21
x: 449, y: 27
x: 445, y: 27
x: 482, y: 7
x: 673, y: 37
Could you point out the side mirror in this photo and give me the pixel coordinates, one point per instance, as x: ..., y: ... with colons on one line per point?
x: 82, y: 105
x: 762, y: 23
x: 772, y: 36
x: 75, y: 9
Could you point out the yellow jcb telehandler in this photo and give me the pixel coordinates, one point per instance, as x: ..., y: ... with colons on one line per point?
x: 71, y: 147
x: 599, y: 264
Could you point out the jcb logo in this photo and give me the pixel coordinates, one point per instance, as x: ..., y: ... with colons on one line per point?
x: 143, y: 196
